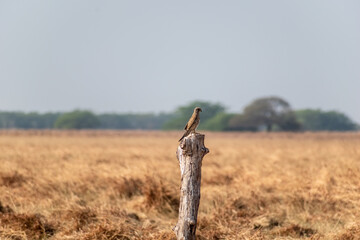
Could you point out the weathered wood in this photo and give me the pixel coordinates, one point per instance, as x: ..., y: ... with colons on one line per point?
x: 190, y: 153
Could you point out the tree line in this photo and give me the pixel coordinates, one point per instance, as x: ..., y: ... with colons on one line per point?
x: 263, y: 114
x: 82, y: 119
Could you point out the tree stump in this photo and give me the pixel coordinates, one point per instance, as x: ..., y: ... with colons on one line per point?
x: 190, y: 153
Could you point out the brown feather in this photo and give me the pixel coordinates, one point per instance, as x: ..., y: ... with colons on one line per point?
x: 192, y: 123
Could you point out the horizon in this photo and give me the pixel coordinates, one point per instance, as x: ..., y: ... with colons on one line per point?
x: 163, y: 112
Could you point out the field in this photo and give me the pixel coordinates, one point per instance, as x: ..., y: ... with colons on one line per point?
x: 125, y: 185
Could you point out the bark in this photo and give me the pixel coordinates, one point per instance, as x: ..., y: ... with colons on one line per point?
x: 190, y: 153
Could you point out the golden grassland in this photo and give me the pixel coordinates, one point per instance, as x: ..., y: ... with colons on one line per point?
x: 125, y: 185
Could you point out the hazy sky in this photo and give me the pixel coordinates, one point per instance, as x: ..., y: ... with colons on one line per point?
x: 152, y: 56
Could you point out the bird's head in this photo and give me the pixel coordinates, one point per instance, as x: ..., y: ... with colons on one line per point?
x: 197, y: 109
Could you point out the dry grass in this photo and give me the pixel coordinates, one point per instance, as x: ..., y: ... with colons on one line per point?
x: 124, y: 185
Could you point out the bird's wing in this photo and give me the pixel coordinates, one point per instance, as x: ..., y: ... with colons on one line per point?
x: 190, y: 122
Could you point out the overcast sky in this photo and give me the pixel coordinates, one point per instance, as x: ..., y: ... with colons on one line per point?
x: 152, y: 56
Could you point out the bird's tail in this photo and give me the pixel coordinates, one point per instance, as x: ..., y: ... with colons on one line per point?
x: 185, y: 134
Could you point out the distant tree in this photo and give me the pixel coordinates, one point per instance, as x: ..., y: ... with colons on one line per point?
x: 288, y: 122
x: 133, y: 121
x: 114, y: 121
x: 183, y: 113
x: 318, y: 120
x: 239, y: 122
x: 219, y: 122
x: 35, y: 120
x: 31, y: 120
x: 77, y: 120
x: 270, y: 112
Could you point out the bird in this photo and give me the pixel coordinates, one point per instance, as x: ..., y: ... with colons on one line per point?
x: 192, y: 123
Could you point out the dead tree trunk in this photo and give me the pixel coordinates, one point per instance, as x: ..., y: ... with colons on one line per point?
x: 190, y: 153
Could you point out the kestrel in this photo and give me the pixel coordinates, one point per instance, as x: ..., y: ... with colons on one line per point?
x: 192, y: 123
